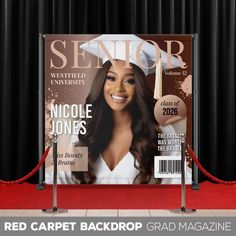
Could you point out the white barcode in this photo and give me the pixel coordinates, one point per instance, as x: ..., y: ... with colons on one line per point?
x: 167, y: 167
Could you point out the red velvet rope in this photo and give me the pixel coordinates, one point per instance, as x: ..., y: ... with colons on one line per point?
x: 18, y: 181
x: 195, y: 159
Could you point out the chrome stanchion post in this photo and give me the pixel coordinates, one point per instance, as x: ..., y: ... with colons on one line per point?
x: 183, y: 208
x: 183, y: 186
x: 54, y: 208
x: 54, y: 187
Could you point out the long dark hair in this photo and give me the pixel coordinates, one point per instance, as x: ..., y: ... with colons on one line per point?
x: 99, y: 128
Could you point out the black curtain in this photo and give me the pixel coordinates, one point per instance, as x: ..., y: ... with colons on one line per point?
x: 21, y: 21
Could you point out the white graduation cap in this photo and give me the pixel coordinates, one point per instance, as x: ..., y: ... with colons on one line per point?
x: 124, y: 47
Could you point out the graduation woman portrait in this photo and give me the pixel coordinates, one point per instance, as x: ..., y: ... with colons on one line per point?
x: 122, y: 135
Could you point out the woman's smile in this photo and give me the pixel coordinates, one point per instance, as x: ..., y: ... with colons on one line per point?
x: 118, y: 98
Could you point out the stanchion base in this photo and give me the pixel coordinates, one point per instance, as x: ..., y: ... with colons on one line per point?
x: 195, y: 186
x: 54, y: 211
x: 183, y: 211
x: 40, y: 186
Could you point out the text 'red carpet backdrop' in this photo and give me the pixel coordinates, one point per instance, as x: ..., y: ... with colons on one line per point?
x: 21, y: 22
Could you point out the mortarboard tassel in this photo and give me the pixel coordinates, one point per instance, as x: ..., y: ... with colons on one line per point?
x: 158, y: 81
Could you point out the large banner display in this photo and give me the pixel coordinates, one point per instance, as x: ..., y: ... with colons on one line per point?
x: 120, y: 105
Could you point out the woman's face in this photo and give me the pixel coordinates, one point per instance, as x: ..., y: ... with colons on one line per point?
x: 119, y: 87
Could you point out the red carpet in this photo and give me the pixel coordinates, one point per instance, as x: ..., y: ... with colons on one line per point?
x: 210, y: 196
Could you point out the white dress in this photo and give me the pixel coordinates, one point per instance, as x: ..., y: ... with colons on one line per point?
x: 123, y: 173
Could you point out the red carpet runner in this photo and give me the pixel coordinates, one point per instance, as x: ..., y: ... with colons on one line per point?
x: 210, y: 196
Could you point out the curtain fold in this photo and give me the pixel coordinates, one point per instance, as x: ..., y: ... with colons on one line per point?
x: 21, y: 21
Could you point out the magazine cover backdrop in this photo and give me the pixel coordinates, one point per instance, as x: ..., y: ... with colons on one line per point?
x: 72, y: 62
x: 23, y: 20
